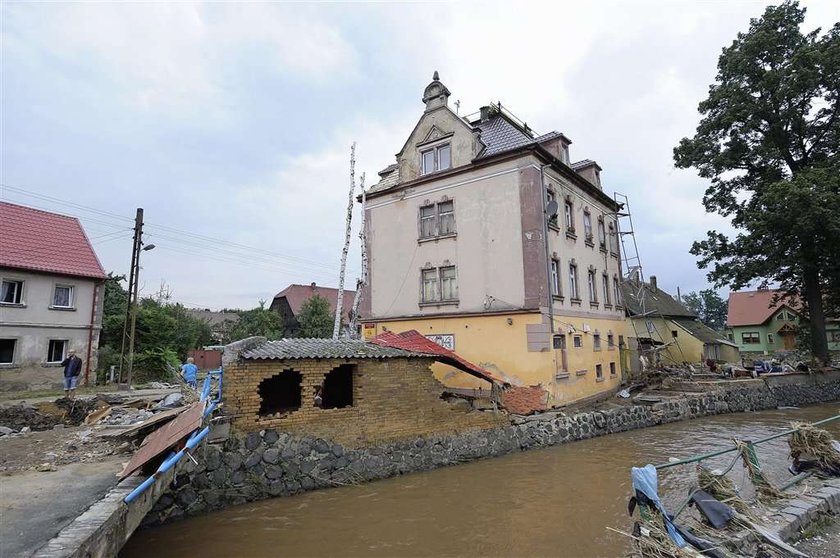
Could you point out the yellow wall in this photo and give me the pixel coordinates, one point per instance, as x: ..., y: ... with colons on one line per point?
x: 687, y: 348
x: 499, y: 343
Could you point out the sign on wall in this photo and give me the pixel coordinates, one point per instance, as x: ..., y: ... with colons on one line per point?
x: 368, y: 331
x: 445, y: 340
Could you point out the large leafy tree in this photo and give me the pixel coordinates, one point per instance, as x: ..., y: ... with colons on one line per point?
x: 709, y: 307
x: 315, y: 318
x: 257, y: 321
x: 768, y: 143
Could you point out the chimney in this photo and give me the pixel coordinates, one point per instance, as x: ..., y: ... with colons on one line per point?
x: 312, y: 284
x: 653, y: 282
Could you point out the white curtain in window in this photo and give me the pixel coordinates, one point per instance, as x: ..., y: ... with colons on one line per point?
x: 63, y: 296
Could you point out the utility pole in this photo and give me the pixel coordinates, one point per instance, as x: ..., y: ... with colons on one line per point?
x: 127, y: 359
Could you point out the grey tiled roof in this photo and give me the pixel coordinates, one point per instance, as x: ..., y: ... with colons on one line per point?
x: 584, y: 163
x: 701, y: 331
x: 390, y: 177
x: 641, y: 298
x: 499, y: 136
x: 323, y: 348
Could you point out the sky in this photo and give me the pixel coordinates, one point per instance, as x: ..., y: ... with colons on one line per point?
x: 231, y: 124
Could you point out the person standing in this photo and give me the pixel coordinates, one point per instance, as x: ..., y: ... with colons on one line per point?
x: 72, y: 368
x: 189, y: 372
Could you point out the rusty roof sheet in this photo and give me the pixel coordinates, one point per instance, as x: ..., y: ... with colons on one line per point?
x: 165, y: 437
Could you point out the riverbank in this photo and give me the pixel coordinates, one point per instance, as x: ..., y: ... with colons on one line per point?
x: 557, y: 500
x: 271, y: 463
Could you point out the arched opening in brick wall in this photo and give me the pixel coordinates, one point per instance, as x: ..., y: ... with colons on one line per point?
x: 338, y: 387
x: 280, y: 393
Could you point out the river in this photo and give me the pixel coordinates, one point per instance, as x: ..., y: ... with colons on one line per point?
x: 556, y: 501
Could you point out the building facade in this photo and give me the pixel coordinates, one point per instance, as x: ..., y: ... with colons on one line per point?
x: 666, y: 332
x: 761, y: 325
x: 486, y: 238
x: 51, y: 292
x: 290, y: 300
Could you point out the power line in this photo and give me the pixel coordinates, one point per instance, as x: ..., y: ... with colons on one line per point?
x: 236, y: 245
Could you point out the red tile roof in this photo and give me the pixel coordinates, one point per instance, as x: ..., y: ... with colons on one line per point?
x: 42, y: 241
x: 521, y: 400
x: 296, y: 295
x: 754, y: 307
x: 415, y: 341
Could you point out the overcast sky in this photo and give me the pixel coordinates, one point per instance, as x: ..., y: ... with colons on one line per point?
x: 231, y: 124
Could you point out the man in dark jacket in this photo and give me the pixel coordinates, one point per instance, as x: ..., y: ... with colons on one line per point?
x: 72, y: 368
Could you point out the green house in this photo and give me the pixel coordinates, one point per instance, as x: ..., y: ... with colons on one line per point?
x: 761, y: 327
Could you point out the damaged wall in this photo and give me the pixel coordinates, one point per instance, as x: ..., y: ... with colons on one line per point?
x: 391, y: 399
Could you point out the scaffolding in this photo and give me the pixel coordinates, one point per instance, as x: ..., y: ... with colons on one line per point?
x: 633, y: 278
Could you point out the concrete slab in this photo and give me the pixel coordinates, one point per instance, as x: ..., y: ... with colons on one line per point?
x: 36, y: 506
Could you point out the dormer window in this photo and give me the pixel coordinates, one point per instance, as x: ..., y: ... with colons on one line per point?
x: 436, y: 159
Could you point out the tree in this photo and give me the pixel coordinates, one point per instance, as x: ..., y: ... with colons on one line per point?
x: 709, y: 307
x: 315, y: 318
x: 258, y: 321
x: 768, y: 143
x: 114, y: 306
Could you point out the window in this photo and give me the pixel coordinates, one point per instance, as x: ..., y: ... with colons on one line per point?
x: 439, y: 284
x: 446, y: 217
x: 430, y: 285
x: 587, y: 225
x: 620, y: 341
x: 602, y: 235
x: 63, y: 296
x: 337, y: 390
x: 550, y: 197
x: 448, y: 283
x: 596, y: 341
x: 610, y: 341
x: 785, y: 316
x: 834, y: 336
x: 605, y: 285
x: 427, y: 221
x: 599, y: 372
x: 437, y: 219
x: 674, y: 333
x: 578, y: 341
x: 750, y: 338
x: 612, y: 369
x: 56, y: 350
x: 436, y: 159
x: 280, y: 393
x: 770, y: 339
x: 560, y: 342
x: 555, y: 277
x: 7, y: 351
x: 613, y: 240
x: 593, y: 287
x: 570, y: 216
x: 617, y: 291
x: 11, y: 292
x: 573, y: 282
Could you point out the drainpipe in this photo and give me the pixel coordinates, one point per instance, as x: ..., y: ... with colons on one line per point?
x: 90, y: 331
x: 544, y: 191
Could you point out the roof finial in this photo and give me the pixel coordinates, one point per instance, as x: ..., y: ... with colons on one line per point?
x: 435, y: 76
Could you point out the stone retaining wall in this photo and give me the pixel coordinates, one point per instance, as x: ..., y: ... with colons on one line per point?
x: 265, y: 464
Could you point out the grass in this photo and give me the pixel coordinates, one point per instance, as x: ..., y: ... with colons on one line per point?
x: 44, y: 393
x: 818, y: 527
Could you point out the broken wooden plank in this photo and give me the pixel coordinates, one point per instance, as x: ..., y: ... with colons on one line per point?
x: 96, y: 416
x: 165, y: 437
x: 151, y: 421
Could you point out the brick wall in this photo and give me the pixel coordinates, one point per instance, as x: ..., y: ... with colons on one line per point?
x: 393, y: 399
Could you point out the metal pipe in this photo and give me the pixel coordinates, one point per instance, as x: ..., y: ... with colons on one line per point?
x: 168, y: 463
x: 729, y: 450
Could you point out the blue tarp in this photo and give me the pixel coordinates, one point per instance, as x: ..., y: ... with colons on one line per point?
x: 645, y: 481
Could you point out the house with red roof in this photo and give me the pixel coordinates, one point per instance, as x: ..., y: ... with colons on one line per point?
x: 50, y: 297
x: 761, y: 322
x: 289, y: 301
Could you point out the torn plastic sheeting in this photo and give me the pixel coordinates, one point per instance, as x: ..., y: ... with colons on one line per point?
x: 645, y: 481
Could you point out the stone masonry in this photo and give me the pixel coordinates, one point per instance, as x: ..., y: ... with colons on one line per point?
x: 267, y: 462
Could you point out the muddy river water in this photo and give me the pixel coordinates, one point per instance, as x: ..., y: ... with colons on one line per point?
x: 557, y: 501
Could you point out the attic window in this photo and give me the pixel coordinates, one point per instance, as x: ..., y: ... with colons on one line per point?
x: 280, y: 393
x: 436, y: 159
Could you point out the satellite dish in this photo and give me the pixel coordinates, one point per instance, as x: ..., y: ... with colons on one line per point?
x: 551, y: 208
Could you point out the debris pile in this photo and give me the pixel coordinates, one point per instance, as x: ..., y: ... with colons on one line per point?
x: 24, y: 415
x: 125, y: 416
x: 812, y: 447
